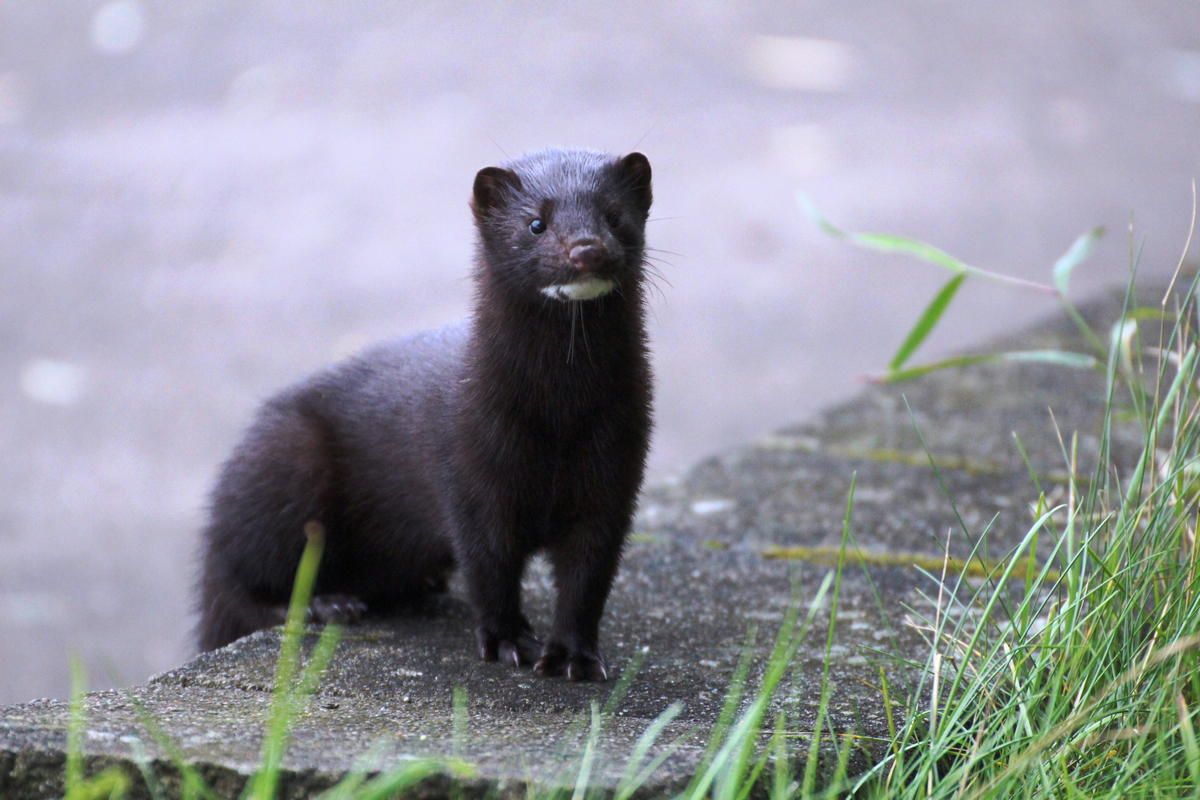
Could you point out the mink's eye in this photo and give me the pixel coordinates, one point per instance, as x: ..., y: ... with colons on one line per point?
x: 537, y: 227
x: 613, y: 219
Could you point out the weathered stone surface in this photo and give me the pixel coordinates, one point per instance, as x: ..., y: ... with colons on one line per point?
x: 682, y: 607
x: 696, y: 579
x: 766, y: 496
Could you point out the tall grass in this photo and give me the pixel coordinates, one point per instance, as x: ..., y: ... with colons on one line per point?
x: 1084, y: 684
x: 1087, y: 684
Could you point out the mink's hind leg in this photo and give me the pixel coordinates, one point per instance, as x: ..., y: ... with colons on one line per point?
x: 228, y: 613
x: 232, y: 614
x: 280, y: 478
x: 336, y: 609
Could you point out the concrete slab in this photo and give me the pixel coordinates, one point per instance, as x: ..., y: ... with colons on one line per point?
x: 699, y: 574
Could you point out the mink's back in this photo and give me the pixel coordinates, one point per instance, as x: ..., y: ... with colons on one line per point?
x: 389, y: 410
x: 401, y: 391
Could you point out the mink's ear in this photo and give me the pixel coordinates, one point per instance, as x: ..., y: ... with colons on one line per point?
x: 633, y: 172
x: 492, y: 187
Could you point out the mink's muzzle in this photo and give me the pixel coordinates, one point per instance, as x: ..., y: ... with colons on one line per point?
x: 588, y: 256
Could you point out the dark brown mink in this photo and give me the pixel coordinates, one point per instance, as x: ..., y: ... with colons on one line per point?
x: 524, y: 430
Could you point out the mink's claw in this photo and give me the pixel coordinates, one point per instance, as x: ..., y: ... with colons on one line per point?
x: 520, y: 650
x: 339, y: 609
x: 579, y: 665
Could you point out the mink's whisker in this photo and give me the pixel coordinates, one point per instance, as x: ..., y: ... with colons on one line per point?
x: 571, y: 344
x: 583, y: 329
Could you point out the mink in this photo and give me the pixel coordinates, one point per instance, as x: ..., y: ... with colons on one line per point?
x: 522, y: 431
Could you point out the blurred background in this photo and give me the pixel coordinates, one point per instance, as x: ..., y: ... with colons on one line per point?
x: 202, y: 201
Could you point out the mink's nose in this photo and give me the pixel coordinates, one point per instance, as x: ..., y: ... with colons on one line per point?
x: 587, y: 256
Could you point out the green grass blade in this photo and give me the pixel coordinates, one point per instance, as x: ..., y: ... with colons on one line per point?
x: 110, y: 784
x: 584, y: 776
x: 284, y: 696
x: 1076, y: 254
x: 318, y: 662
x: 142, y: 760
x: 921, y: 370
x: 743, y: 785
x: 884, y: 243
x: 77, y: 719
x: 617, y: 695
x: 630, y: 782
x: 652, y: 766
x: 900, y: 245
x: 460, y: 717
x: 393, y: 784
x: 192, y: 786
x: 926, y: 322
x: 733, y: 699
x: 814, y: 745
x: 732, y: 756
x: 781, y: 759
x: 1062, y: 358
x: 1191, y: 748
x: 348, y: 787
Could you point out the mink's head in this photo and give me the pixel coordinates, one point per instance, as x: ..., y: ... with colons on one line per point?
x: 568, y: 225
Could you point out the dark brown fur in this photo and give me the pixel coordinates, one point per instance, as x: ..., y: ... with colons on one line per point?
x: 524, y: 431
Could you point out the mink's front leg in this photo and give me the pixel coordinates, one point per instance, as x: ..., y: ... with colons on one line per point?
x: 584, y: 567
x: 503, y: 634
x: 493, y: 566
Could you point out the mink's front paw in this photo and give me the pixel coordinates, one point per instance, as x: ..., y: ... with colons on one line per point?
x: 336, y: 609
x: 519, y: 649
x: 577, y: 665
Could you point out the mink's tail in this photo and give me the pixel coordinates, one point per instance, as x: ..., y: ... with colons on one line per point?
x: 229, y: 612
x: 278, y: 480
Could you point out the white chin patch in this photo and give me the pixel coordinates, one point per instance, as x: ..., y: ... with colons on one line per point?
x: 585, y: 289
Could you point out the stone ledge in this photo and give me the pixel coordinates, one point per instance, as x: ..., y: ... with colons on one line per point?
x: 695, y: 579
